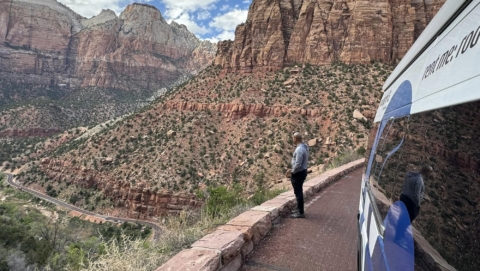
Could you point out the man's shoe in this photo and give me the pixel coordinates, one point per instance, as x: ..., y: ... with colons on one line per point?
x: 297, y: 215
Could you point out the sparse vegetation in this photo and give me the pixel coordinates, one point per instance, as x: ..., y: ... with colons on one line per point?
x: 181, y: 231
x: 193, y: 141
x: 34, y: 234
x: 24, y: 106
x: 208, y: 146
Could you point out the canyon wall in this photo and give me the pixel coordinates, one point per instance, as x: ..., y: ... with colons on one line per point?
x: 283, y: 32
x: 238, y: 110
x: 46, y: 43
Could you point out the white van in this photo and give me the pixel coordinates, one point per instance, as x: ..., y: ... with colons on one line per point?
x: 429, y: 116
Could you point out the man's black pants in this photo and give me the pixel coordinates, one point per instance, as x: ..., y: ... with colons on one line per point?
x: 413, y: 210
x: 297, y: 180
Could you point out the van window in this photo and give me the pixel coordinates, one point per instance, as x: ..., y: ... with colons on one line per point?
x: 386, y: 164
x: 448, y: 140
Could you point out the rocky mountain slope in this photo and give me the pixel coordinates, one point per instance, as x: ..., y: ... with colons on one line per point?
x: 283, y: 32
x: 108, y: 64
x: 43, y: 42
x: 226, y: 127
x: 219, y: 128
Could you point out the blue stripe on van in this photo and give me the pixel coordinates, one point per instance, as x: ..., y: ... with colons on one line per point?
x: 379, y: 261
x: 369, y: 220
x: 402, y: 99
x: 368, y: 260
x: 398, y: 238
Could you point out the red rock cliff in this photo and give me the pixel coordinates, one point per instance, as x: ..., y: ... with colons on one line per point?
x: 281, y: 32
x: 239, y: 110
x: 137, y: 201
x: 44, y: 42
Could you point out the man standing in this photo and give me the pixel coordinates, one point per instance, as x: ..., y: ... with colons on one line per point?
x: 414, y: 190
x: 298, y: 173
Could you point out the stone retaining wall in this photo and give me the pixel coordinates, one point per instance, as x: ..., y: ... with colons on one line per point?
x: 225, y: 249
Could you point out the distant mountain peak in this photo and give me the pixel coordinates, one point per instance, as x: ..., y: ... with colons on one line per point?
x: 104, y: 16
x: 142, y: 11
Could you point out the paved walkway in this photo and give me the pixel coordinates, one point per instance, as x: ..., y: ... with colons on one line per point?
x: 325, y: 241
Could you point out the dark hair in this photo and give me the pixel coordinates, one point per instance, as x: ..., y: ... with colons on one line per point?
x: 426, y: 169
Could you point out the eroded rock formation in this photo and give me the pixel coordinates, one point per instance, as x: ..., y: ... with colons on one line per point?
x: 44, y: 42
x: 41, y: 132
x: 240, y: 110
x: 138, y: 200
x: 282, y: 32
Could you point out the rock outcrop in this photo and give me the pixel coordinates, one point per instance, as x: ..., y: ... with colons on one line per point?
x: 36, y: 132
x: 283, y: 32
x: 137, y: 200
x: 44, y: 42
x: 240, y: 110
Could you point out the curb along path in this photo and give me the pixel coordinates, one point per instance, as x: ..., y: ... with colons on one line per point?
x: 326, y: 240
x: 157, y: 230
x: 228, y: 246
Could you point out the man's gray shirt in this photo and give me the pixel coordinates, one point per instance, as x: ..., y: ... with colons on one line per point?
x: 413, y: 187
x: 300, y: 158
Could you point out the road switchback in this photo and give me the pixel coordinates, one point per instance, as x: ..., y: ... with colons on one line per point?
x: 156, y: 228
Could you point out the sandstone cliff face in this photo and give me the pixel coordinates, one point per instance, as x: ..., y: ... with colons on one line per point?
x: 45, y: 43
x: 282, y: 32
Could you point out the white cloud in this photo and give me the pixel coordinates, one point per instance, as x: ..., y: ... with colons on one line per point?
x: 173, y: 13
x: 203, y: 15
x: 224, y: 7
x: 189, y: 5
x: 225, y: 35
x: 191, y: 25
x: 89, y: 8
x: 227, y: 23
x: 200, y: 16
x: 229, y: 20
x: 181, y: 12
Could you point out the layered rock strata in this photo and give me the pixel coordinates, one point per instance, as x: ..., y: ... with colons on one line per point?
x: 136, y: 200
x: 45, y: 43
x: 36, y: 132
x: 240, y: 110
x: 282, y: 32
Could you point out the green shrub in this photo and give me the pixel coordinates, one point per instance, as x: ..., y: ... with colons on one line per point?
x: 221, y: 199
x: 344, y: 158
x: 361, y: 151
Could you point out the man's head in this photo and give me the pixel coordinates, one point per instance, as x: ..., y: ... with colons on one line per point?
x: 426, y: 171
x: 297, y: 138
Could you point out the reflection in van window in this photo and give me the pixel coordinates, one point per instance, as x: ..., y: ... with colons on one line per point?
x: 385, y: 166
x: 448, y: 141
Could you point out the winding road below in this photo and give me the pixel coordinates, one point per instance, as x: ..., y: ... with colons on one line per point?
x: 156, y: 228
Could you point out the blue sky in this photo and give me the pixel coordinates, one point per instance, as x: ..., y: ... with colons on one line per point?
x: 209, y: 19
